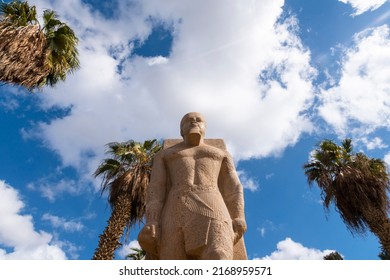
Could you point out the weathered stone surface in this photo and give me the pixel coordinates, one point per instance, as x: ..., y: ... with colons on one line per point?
x: 195, y: 204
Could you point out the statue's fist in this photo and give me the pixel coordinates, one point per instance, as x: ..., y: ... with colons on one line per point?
x: 239, y: 227
x: 148, y: 237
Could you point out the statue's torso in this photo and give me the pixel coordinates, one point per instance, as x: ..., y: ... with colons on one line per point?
x: 196, y: 167
x: 193, y: 181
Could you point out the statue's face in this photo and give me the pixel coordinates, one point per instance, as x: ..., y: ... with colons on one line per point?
x: 192, y: 123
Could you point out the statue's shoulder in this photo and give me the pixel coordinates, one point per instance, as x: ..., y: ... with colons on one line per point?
x: 215, y: 150
x: 171, y: 149
x: 176, y: 147
x: 217, y: 143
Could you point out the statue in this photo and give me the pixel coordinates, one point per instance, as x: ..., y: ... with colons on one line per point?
x: 194, y: 203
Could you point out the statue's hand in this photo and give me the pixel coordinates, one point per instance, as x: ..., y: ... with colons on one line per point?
x: 148, y: 238
x: 239, y: 227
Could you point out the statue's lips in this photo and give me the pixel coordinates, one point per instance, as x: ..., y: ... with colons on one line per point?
x: 195, y: 126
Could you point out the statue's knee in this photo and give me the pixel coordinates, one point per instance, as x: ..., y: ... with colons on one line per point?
x: 218, y: 254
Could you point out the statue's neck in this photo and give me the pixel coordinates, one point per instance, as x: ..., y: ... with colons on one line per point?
x: 193, y: 139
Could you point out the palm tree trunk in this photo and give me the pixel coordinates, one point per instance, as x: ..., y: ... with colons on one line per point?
x: 379, y: 224
x: 109, y: 240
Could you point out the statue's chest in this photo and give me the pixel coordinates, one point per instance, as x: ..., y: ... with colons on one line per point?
x: 197, y: 160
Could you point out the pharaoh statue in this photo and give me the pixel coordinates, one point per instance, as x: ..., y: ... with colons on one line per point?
x: 194, y: 202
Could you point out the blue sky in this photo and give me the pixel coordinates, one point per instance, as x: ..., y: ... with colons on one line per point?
x: 273, y: 78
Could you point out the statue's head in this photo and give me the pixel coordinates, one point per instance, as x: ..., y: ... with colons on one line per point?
x: 193, y: 122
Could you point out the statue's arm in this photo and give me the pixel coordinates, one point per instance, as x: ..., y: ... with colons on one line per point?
x: 232, y: 193
x: 155, y: 197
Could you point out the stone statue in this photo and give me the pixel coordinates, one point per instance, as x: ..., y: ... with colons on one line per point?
x: 194, y: 203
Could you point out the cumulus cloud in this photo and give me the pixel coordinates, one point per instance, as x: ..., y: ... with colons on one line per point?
x: 362, y: 6
x: 288, y: 249
x: 62, y: 223
x: 127, y: 249
x: 17, y: 231
x: 361, y: 97
x: 237, y: 62
x: 72, y: 250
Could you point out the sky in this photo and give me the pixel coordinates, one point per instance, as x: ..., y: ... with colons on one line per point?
x: 271, y: 77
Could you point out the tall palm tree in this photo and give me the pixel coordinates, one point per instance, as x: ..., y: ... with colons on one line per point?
x: 33, y: 56
x: 126, y: 175
x: 356, y: 184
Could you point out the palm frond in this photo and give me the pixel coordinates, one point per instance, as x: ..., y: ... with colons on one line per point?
x: 61, y: 46
x: 17, y: 14
x: 347, y: 145
x: 30, y: 56
x: 137, y: 254
x: 357, y: 185
x: 333, y: 256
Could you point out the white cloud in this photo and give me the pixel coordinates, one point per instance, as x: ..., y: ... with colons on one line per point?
x: 361, y: 97
x: 374, y: 143
x: 290, y: 250
x: 9, y: 102
x: 362, y: 6
x: 126, y: 249
x: 59, y: 222
x: 17, y: 231
x: 383, y: 18
x: 267, y: 227
x: 72, y: 250
x: 51, y: 189
x: 247, y: 182
x: 157, y: 60
x: 262, y: 231
x: 387, y: 159
x: 247, y: 72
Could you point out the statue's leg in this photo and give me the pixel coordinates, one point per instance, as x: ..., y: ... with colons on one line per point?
x: 171, y: 245
x: 207, y: 238
x: 219, y: 242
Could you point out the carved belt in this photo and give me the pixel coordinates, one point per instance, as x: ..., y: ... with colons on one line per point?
x: 194, y: 189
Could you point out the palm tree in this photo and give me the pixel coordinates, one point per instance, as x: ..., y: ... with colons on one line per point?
x: 334, y: 256
x: 356, y: 184
x: 137, y: 255
x: 126, y: 175
x: 33, y: 56
x: 383, y: 255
